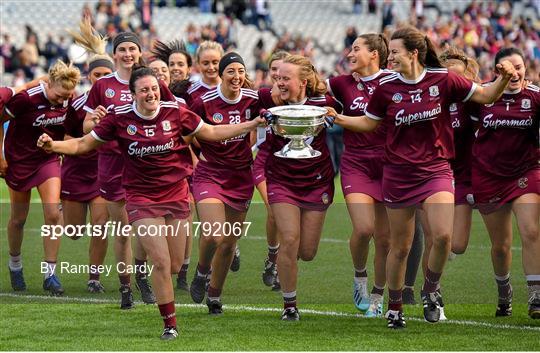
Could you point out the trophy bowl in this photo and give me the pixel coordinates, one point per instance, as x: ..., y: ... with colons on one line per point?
x: 297, y: 123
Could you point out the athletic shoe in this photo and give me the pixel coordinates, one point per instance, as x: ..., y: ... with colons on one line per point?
x: 276, y: 286
x: 95, y: 286
x: 198, y: 288
x: 214, y: 307
x: 126, y: 302
x: 503, y: 309
x: 290, y: 314
x: 534, y: 305
x: 52, y: 284
x: 442, y: 317
x: 408, y: 296
x: 395, y: 319
x: 361, y: 296
x: 235, y: 264
x: 269, y: 274
x: 375, y: 306
x: 143, y: 285
x: 432, y: 309
x: 169, y: 333
x: 17, y: 280
x: 181, y: 284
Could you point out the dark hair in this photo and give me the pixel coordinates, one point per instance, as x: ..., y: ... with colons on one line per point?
x: 163, y: 51
x: 414, y: 39
x: 504, y: 52
x: 138, y: 73
x: 180, y: 88
x: 377, y: 42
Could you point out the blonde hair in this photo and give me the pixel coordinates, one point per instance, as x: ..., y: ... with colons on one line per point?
x: 207, y: 45
x: 68, y: 76
x: 315, y: 85
x: 454, y: 55
x: 278, y: 55
x: 91, y: 40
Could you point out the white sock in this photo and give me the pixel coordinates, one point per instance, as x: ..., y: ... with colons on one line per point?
x: 186, y: 261
x: 15, y: 263
x: 51, y: 267
x: 359, y: 280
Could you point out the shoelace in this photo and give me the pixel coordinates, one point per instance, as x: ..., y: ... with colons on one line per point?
x: 535, y: 297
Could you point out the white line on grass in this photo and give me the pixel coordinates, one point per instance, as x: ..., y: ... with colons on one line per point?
x: 247, y: 308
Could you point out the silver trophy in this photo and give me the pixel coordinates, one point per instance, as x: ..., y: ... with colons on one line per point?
x: 298, y: 123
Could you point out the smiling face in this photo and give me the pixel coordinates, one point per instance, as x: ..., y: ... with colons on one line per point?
x: 56, y: 94
x: 147, y: 94
x: 291, y: 88
x: 97, y: 73
x: 209, y: 64
x: 233, y: 78
x: 274, y: 66
x: 178, y: 67
x: 360, y: 55
x: 399, y: 58
x: 161, y: 70
x: 126, y: 55
x: 517, y: 80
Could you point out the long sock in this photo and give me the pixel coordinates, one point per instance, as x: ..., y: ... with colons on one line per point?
x: 214, y: 293
x: 504, y: 288
x: 168, y: 313
x: 184, y: 269
x: 395, y: 300
x: 94, y: 274
x: 289, y: 300
x: 272, y: 253
x: 125, y: 280
x: 15, y: 262
x: 431, y: 281
x: 362, y: 273
x: 140, y: 268
x: 51, y: 267
x: 415, y: 254
x: 202, y: 271
x: 533, y: 284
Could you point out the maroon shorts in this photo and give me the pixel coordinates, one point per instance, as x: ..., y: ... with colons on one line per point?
x: 406, y: 186
x: 48, y: 170
x: 362, y: 174
x: 492, y: 192
x: 79, y: 179
x: 140, y: 207
x: 110, y: 170
x: 234, y: 187
x: 259, y: 165
x: 315, y: 199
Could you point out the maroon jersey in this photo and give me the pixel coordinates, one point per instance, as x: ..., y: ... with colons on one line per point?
x: 507, y: 141
x: 215, y: 109
x: 156, y: 157
x: 302, y: 173
x: 417, y: 116
x: 463, y: 128
x: 354, y: 95
x: 196, y: 90
x: 5, y: 95
x: 31, y: 115
x: 84, y: 167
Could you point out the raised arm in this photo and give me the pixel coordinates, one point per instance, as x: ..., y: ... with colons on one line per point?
x: 489, y: 94
x: 74, y: 146
x: 353, y: 123
x: 222, y: 132
x: 92, y: 119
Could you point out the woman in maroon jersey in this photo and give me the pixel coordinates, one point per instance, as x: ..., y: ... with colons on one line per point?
x: 107, y: 93
x: 149, y: 134
x: 161, y: 70
x: 506, y: 179
x: 222, y: 181
x: 299, y: 190
x: 361, y: 169
x: 415, y: 106
x: 207, y: 58
x: 39, y: 109
x: 80, y: 187
x: 269, y: 275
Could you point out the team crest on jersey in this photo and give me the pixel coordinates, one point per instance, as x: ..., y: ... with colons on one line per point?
x: 360, y: 86
x: 217, y: 118
x: 109, y: 93
x: 453, y: 107
x: 166, y: 124
x: 523, y: 182
x: 131, y: 130
x: 325, y: 198
x: 434, y: 91
x: 526, y: 104
x: 396, y: 98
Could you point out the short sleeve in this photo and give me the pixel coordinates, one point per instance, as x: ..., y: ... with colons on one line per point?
x: 190, y: 122
x: 94, y: 98
x: 18, y: 104
x: 72, y: 124
x: 105, y: 130
x: 376, y: 108
x: 5, y: 95
x: 459, y: 88
x: 198, y: 108
x: 334, y: 103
